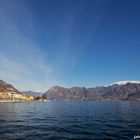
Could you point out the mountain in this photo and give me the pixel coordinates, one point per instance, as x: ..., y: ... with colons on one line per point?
x: 124, y: 90
x: 33, y: 93
x: 66, y: 93
x: 5, y: 87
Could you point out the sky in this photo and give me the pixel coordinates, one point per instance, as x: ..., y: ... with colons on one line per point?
x: 69, y: 43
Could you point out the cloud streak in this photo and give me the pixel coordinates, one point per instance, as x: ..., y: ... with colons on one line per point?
x: 22, y: 62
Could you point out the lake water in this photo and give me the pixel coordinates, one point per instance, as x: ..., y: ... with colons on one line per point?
x: 62, y: 120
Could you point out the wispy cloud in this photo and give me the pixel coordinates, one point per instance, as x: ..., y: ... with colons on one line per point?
x: 22, y: 62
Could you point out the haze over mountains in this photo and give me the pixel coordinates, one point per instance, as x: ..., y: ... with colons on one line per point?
x: 124, y: 90
x: 33, y: 93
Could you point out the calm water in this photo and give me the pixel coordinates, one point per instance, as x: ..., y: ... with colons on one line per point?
x: 62, y: 120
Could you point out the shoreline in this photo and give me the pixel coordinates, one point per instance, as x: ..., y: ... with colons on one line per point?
x: 20, y: 101
x: 9, y: 101
x: 25, y: 101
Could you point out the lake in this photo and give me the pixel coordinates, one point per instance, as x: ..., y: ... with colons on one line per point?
x: 65, y: 120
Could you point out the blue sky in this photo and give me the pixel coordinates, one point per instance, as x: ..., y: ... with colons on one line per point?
x: 69, y: 42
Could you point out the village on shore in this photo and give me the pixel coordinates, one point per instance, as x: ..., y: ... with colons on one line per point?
x: 16, y: 97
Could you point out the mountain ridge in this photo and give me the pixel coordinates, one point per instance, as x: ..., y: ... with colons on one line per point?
x: 127, y: 91
x: 124, y: 90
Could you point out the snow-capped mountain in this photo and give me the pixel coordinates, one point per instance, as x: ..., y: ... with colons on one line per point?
x: 125, y: 82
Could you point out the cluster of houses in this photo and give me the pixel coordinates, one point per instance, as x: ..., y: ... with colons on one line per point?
x: 15, y: 96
